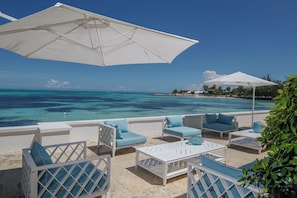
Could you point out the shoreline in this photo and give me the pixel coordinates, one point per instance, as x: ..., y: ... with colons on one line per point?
x: 212, y: 96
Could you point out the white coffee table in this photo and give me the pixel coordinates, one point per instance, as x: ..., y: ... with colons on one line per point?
x: 246, y: 138
x: 170, y: 159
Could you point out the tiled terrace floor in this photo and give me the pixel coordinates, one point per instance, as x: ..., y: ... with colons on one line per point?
x: 126, y: 181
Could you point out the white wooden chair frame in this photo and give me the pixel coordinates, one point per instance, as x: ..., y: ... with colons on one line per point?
x: 196, y: 173
x: 107, y: 137
x: 71, y: 155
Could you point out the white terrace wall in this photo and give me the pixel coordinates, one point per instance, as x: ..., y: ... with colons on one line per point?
x: 16, y: 138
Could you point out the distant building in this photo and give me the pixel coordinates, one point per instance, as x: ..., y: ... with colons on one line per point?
x: 198, y: 92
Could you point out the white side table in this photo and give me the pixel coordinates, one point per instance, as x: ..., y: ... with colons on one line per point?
x: 246, y: 138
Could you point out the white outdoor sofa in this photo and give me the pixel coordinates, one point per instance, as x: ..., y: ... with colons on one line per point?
x: 219, y: 123
x: 213, y: 179
x: 63, y: 170
x: 173, y: 126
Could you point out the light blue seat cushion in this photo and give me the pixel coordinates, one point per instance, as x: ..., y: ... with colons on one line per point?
x: 219, y: 126
x: 174, y: 121
x: 130, y: 138
x: 89, y: 171
x: 182, y: 131
x: 211, y: 118
x: 225, y: 119
x: 39, y: 155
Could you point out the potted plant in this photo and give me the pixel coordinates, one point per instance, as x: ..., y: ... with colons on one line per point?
x: 276, y: 173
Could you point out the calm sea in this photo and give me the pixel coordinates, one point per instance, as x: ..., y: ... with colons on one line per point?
x: 27, y: 107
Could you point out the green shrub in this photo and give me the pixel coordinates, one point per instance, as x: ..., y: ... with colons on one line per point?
x: 276, y: 173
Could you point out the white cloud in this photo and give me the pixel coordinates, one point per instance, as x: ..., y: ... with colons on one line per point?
x: 52, y: 83
x: 208, y: 75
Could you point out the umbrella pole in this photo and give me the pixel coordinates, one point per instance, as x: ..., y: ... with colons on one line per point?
x: 254, y: 93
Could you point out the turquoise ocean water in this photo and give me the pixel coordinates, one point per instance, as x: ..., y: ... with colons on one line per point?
x: 28, y: 107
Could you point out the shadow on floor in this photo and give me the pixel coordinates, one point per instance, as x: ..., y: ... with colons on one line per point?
x: 181, y: 196
x: 151, y: 178
x: 167, y: 139
x: 10, y: 183
x: 105, y: 150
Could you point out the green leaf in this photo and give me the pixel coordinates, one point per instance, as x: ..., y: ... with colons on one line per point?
x: 293, y: 162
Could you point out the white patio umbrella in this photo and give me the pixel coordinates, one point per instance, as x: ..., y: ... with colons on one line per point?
x: 66, y: 33
x: 242, y: 79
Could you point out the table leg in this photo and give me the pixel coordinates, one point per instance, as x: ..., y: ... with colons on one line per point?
x: 136, y: 158
x: 165, y: 174
x: 230, y: 136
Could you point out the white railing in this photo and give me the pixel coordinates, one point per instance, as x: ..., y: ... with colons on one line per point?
x: 17, y: 138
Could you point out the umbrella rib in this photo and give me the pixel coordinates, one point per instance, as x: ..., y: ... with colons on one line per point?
x: 99, y: 40
x: 43, y: 27
x: 138, y: 43
x: 89, y: 31
x: 60, y: 36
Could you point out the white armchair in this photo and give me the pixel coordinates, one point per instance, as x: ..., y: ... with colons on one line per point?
x: 214, y: 179
x: 63, y: 170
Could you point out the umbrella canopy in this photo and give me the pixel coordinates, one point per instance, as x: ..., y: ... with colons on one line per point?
x: 66, y: 33
x: 242, y: 79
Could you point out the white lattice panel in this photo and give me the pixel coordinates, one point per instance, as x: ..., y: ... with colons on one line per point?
x: 203, y: 182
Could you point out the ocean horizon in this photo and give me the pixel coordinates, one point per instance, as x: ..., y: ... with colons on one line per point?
x: 28, y: 107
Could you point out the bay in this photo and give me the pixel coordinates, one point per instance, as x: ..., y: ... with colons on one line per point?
x: 28, y: 107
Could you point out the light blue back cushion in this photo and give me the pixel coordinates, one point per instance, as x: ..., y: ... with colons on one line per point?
x: 123, y: 124
x: 118, y: 129
x: 226, y: 119
x: 211, y: 118
x: 220, y: 167
x: 39, y: 155
x: 174, y: 121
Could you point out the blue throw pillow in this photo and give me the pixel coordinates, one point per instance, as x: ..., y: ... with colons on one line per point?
x: 39, y: 155
x: 258, y: 127
x: 211, y: 118
x: 225, y: 119
x: 174, y: 121
x: 118, y: 133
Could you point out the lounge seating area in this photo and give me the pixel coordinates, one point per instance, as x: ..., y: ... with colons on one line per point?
x: 63, y: 170
x: 125, y: 180
x: 62, y: 167
x: 115, y: 135
x: 215, y: 179
x: 219, y: 123
x: 173, y: 126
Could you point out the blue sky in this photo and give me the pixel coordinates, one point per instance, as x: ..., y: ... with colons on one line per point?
x: 255, y: 37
